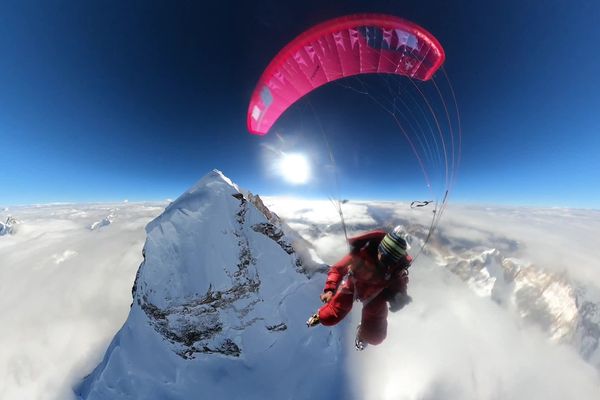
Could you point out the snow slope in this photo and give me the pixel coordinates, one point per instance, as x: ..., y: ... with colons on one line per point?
x: 219, y: 310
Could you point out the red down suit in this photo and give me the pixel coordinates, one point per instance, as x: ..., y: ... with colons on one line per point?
x: 360, y: 276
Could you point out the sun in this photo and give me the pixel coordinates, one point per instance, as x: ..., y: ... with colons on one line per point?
x: 294, y: 168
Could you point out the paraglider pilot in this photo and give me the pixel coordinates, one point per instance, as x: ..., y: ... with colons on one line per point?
x: 374, y: 272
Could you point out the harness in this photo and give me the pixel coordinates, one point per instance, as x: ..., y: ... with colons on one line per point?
x: 351, y: 279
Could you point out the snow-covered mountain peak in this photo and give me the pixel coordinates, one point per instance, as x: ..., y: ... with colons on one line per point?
x: 106, y: 221
x: 221, y: 280
x: 208, y: 246
x: 214, y: 182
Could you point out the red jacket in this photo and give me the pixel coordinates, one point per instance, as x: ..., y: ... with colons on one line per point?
x: 370, y: 277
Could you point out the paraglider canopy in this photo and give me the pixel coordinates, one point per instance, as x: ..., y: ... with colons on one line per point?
x: 339, y: 48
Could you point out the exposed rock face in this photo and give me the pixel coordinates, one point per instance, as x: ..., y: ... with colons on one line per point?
x: 275, y: 234
x: 194, y: 326
x: 9, y: 227
x: 587, y: 334
x: 258, y: 203
x: 307, y: 262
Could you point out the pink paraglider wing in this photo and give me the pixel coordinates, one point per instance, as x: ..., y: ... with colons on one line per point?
x: 342, y: 47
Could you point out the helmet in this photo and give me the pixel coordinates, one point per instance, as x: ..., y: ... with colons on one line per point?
x: 393, y: 246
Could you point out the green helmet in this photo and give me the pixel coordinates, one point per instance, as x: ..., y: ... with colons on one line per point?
x: 393, y: 247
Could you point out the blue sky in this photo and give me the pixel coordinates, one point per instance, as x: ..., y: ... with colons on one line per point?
x: 102, y: 100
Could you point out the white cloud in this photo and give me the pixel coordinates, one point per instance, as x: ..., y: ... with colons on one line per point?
x: 557, y: 239
x: 64, y: 291
x: 60, y: 258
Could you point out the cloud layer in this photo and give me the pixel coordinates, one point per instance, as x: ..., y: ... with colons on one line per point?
x: 66, y: 289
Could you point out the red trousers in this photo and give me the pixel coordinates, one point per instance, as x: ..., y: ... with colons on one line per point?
x: 373, y: 326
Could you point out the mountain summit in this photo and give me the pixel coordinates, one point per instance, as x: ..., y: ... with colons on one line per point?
x: 219, y: 309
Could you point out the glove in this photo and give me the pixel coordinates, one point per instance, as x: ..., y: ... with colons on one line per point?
x: 326, y: 296
x: 399, y: 301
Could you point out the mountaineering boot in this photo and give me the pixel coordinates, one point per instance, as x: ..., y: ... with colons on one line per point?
x: 313, y: 320
x: 358, y: 342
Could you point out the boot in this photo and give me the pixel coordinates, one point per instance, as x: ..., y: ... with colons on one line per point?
x: 358, y: 342
x: 313, y: 320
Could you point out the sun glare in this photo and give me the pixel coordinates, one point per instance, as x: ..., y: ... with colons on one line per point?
x: 294, y: 168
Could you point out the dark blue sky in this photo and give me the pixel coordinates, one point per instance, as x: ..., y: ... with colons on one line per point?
x: 112, y: 100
